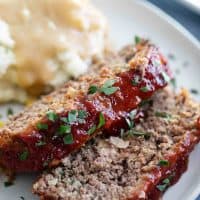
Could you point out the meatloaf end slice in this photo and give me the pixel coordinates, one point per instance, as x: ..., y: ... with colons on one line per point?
x: 63, y: 121
x: 139, y: 165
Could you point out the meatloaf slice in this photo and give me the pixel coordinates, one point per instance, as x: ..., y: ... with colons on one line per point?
x: 141, y: 164
x: 63, y: 121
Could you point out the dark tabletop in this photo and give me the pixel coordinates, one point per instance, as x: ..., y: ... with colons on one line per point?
x: 189, y: 19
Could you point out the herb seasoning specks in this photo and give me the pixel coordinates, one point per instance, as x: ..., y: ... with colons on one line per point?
x: 23, y: 156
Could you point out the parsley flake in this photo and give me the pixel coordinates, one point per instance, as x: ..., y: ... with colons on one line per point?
x: 108, y: 88
x: 173, y: 83
x: 144, y: 89
x: 165, y: 77
x: 101, y: 120
x: 52, y: 116
x: 23, y: 156
x: 132, y: 114
x: 146, y: 102
x: 163, y: 163
x: 163, y: 115
x: 10, y: 111
x: 82, y: 114
x: 41, y: 126
x: 163, y: 186
x: 64, y: 119
x: 64, y: 129
x: 136, y: 80
x: 68, y: 139
x: 92, y: 130
x: 130, y: 123
x: 8, y: 183
x: 138, y: 133
x: 137, y: 39
x: 72, y: 116
x: 194, y: 91
x: 92, y: 89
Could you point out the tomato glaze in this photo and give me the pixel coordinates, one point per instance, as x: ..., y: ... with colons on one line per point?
x: 115, y: 108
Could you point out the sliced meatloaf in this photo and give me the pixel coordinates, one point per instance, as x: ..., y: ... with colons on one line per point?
x: 141, y: 164
x: 63, y: 121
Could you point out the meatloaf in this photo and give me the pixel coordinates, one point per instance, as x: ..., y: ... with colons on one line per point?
x: 63, y: 121
x: 140, y: 164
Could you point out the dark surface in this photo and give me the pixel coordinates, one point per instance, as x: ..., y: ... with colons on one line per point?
x: 189, y: 19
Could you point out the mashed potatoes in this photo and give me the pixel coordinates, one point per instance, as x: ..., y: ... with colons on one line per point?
x: 44, y: 43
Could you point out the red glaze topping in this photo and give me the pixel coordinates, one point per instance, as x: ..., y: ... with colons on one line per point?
x: 114, y: 108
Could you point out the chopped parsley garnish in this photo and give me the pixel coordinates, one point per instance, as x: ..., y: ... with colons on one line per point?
x: 64, y: 129
x: 163, y: 186
x: 132, y: 114
x: 145, y: 89
x: 92, y: 89
x: 163, y: 115
x: 82, y: 114
x: 138, y: 133
x: 52, y: 116
x: 72, y: 116
x: 165, y: 77
x: 108, y: 88
x: 130, y: 123
x: 40, y: 143
x: 137, y: 39
x: 101, y: 120
x: 64, y: 119
x: 68, y: 139
x: 135, y: 81
x: 23, y: 156
x: 41, y: 126
x: 10, y: 111
x: 156, y: 63
x: 92, y: 130
x: 194, y: 91
x: 163, y: 163
x: 0, y: 116
x: 75, y: 116
x: 8, y: 183
x: 173, y: 83
x: 145, y: 102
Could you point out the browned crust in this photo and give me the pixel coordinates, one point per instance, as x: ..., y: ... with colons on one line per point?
x: 21, y: 134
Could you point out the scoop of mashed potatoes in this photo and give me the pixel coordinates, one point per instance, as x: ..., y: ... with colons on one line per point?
x: 45, y: 43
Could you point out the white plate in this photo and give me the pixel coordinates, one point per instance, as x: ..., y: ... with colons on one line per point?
x: 128, y: 18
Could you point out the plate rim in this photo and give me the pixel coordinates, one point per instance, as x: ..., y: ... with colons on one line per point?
x: 171, y: 21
